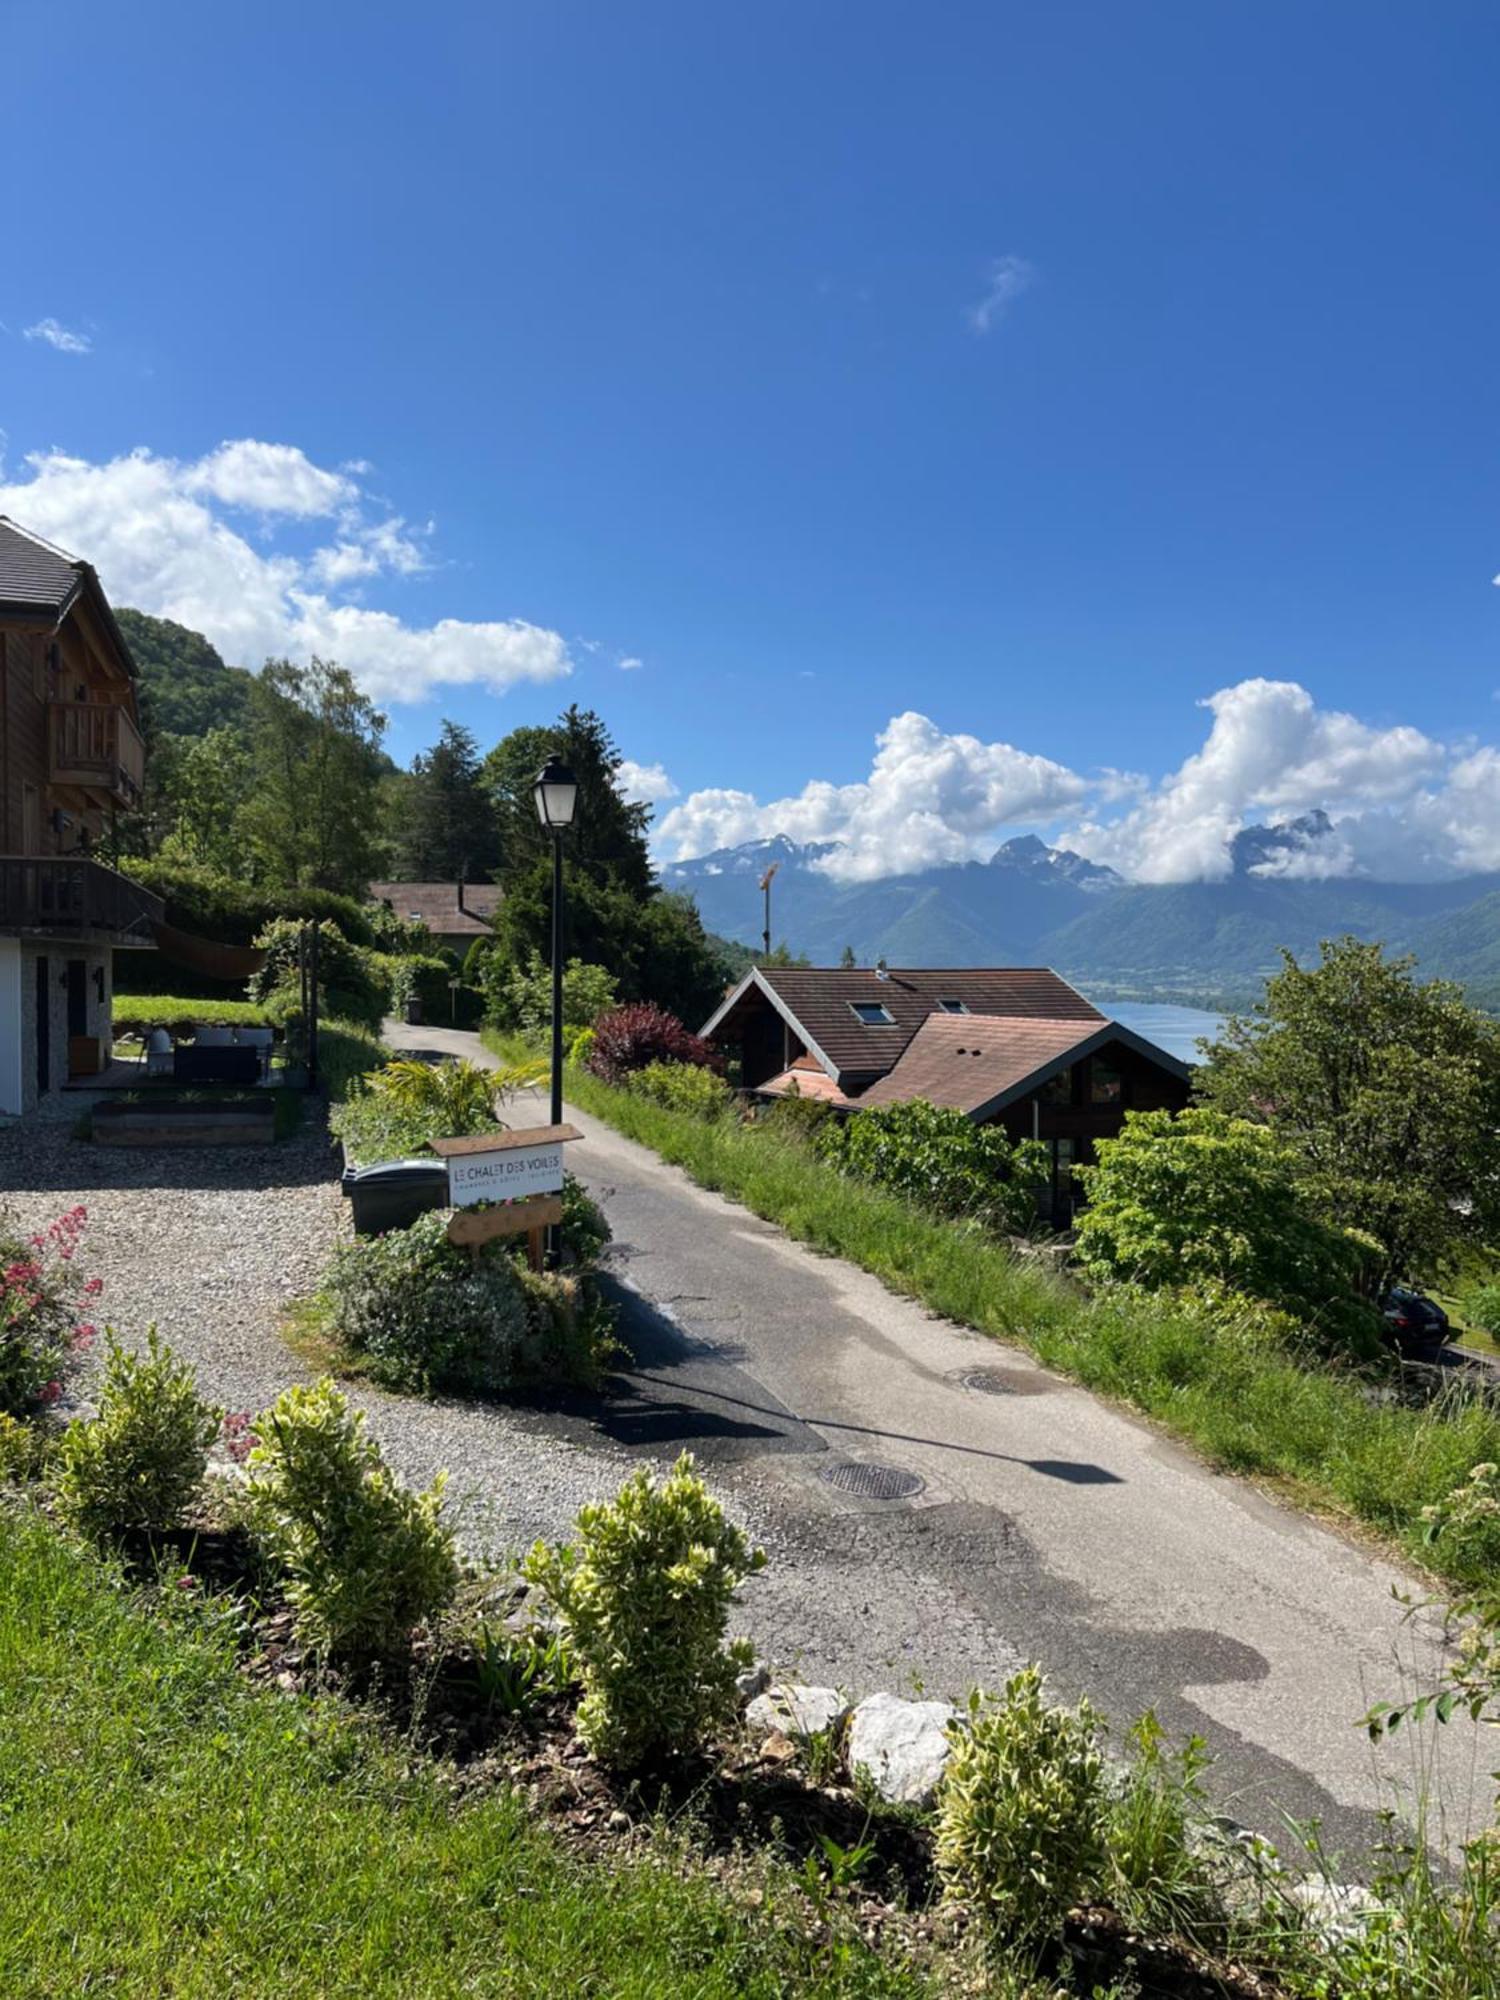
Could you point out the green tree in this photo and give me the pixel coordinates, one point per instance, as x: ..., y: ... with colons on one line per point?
x: 847, y: 959
x: 446, y: 824
x: 311, y: 820
x: 607, y: 839
x: 1386, y: 1093
x: 1201, y: 1198
x: 202, y: 785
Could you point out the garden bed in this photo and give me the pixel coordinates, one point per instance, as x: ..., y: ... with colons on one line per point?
x: 235, y: 1119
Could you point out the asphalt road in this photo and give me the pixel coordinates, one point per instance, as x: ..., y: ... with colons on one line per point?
x: 1040, y: 1523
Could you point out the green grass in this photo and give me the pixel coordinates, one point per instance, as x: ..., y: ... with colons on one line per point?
x: 135, y: 1013
x: 1312, y: 1430
x: 170, y: 1831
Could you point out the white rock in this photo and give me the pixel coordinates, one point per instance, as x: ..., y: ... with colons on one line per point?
x: 1335, y: 1911
x: 797, y: 1710
x: 903, y: 1745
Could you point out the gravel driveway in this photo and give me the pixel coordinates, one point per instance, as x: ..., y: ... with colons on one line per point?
x: 212, y: 1245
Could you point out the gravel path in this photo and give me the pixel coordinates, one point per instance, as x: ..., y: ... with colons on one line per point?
x: 214, y: 1245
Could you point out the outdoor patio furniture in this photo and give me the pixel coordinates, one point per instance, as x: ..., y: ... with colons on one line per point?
x: 196, y: 1064
x: 158, y: 1053
x: 261, y: 1040
x: 207, y: 1037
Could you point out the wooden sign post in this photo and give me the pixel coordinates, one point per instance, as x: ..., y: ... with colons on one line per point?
x: 504, y: 1184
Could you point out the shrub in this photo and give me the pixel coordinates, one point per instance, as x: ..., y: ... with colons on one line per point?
x: 796, y: 1117
x: 1201, y: 1198
x: 346, y: 1050
x: 578, y: 1043
x: 569, y: 1329
x: 218, y: 906
x: 427, y: 1315
x: 644, y: 1597
x: 42, y: 1308
x: 1021, y: 1810
x: 585, y: 1227
x: 140, y: 1463
x: 26, y: 1450
x: 683, y: 1087
x: 940, y: 1158
x: 365, y: 1558
x: 404, y: 1104
x: 631, y: 1038
x: 519, y: 996
x: 424, y: 1314
x: 349, y: 983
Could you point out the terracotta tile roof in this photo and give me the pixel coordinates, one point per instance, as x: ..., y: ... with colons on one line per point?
x: 436, y: 903
x: 808, y: 1083
x: 821, y: 1001
x: 965, y: 1063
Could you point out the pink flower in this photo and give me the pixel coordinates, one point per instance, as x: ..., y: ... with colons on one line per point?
x: 83, y: 1338
x: 51, y: 1392
x: 93, y: 1287
x: 187, y: 1583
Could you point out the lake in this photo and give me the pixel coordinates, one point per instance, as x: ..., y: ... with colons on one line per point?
x: 1175, y: 1029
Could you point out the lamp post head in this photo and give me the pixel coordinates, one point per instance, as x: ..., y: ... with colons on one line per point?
x: 556, y: 794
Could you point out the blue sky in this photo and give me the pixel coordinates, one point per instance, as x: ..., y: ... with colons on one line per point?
x: 661, y: 332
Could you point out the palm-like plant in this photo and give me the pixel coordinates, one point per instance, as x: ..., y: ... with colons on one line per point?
x: 456, y: 1098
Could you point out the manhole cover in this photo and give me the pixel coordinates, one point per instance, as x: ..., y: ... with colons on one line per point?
x: 873, y: 1482
x: 990, y: 1380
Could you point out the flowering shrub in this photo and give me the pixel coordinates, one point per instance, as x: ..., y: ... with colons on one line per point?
x: 683, y: 1087
x: 1021, y: 1809
x: 44, y: 1307
x: 365, y: 1558
x: 629, y: 1038
x: 644, y: 1597
x: 140, y: 1463
x: 941, y: 1158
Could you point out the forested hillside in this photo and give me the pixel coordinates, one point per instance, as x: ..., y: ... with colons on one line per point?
x: 185, y: 687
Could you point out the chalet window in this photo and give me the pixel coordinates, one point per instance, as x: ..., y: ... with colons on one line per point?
x: 1106, y: 1085
x: 1058, y: 1089
x: 952, y: 1007
x: 873, y: 1013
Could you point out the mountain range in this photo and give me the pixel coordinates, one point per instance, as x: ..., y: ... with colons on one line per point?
x: 1032, y: 904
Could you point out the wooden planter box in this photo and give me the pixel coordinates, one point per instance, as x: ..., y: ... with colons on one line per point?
x: 167, y: 1124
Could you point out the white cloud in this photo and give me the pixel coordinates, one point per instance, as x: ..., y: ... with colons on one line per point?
x: 1008, y: 278
x: 643, y: 783
x: 1270, y: 752
x: 61, y: 337
x: 930, y: 797
x: 1401, y: 807
x: 204, y: 541
x: 629, y: 664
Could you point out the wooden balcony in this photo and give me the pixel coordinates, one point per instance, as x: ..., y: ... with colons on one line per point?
x: 67, y: 896
x: 97, y: 747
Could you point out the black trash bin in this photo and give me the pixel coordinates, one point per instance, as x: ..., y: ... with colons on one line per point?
x: 393, y: 1193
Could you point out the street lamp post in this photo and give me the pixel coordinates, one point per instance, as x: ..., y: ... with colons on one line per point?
x: 556, y: 794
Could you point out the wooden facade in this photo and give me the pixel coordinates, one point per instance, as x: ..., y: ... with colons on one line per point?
x: 72, y: 759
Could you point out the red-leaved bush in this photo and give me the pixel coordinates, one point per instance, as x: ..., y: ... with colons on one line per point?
x: 628, y: 1038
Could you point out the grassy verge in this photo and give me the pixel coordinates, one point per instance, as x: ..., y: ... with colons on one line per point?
x: 1314, y: 1431
x: 171, y: 1831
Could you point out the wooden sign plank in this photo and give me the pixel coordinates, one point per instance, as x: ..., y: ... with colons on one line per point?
x: 473, y: 1226
x: 504, y: 1142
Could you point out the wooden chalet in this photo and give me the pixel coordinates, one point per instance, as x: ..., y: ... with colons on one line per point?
x: 1017, y: 1047
x: 71, y: 759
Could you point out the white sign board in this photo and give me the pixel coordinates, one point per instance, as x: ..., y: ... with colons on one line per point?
x: 504, y: 1176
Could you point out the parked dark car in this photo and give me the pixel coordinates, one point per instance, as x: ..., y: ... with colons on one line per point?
x: 1414, y: 1324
